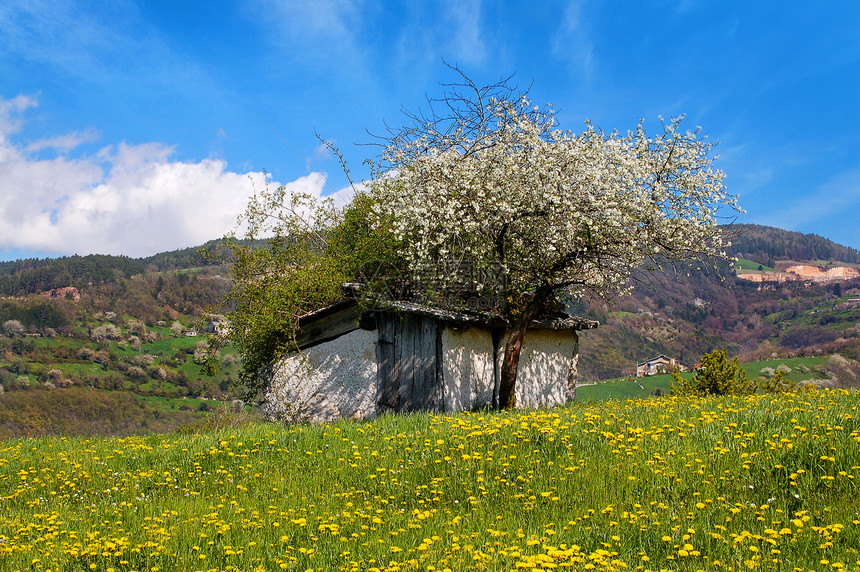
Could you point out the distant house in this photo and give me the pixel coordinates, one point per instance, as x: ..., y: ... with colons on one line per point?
x: 357, y: 363
x: 655, y: 365
x: 190, y: 333
x: 69, y: 292
x: 216, y: 325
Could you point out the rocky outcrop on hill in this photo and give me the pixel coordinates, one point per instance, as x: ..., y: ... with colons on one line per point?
x: 804, y: 273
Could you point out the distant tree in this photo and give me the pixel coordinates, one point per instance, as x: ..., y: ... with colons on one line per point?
x: 136, y: 327
x: 176, y: 328
x: 105, y: 332
x: 717, y: 375
x: 776, y: 383
x: 201, y: 352
x: 13, y: 328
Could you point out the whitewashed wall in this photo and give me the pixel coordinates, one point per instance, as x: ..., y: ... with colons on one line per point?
x: 337, y: 379
x: 330, y: 381
x: 548, y: 360
x: 467, y: 368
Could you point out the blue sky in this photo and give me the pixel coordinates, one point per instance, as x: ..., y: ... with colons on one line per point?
x: 131, y: 127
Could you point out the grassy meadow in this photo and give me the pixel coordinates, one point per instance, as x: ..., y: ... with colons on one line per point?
x: 799, y: 370
x: 744, y: 264
x: 732, y: 483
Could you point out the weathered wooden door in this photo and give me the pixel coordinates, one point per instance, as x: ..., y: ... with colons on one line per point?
x: 409, y: 374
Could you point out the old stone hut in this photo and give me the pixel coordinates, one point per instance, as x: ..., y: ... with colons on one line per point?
x: 357, y: 363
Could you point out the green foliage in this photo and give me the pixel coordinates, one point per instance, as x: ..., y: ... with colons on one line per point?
x: 717, y: 375
x: 313, y: 249
x: 85, y: 411
x: 777, y: 383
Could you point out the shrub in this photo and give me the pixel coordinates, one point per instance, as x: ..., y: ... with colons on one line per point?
x: 101, y: 357
x: 136, y: 372
x: 776, y: 383
x: 108, y: 331
x: 135, y: 343
x: 201, y: 352
x: 717, y: 376
x: 13, y: 328
x: 143, y: 360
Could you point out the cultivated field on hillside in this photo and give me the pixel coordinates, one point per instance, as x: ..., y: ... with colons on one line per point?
x: 728, y: 483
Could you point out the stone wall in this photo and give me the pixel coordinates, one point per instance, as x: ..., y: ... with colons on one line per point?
x: 338, y: 379
x: 548, y: 362
x: 467, y: 368
x: 330, y: 381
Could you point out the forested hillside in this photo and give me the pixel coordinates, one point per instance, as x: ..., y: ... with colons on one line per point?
x: 32, y: 276
x: 685, y: 312
x: 767, y: 245
x: 76, y: 327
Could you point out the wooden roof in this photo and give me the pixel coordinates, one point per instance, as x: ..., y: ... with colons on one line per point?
x: 345, y: 315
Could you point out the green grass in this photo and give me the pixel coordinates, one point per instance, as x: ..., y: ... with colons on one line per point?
x: 744, y: 264
x: 678, y: 484
x: 640, y: 387
x: 177, y: 403
x: 170, y: 345
x: 621, y: 315
x: 80, y: 369
x: 625, y: 388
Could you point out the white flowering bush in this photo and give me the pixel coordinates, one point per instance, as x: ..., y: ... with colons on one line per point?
x: 488, y: 178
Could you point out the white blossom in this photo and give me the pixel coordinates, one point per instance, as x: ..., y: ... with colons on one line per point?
x: 577, y: 211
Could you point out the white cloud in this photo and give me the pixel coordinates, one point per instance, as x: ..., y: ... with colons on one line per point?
x: 322, y: 151
x: 125, y: 199
x: 324, y: 30
x: 65, y: 35
x: 10, y: 109
x: 572, y: 42
x: 464, y: 18
x: 64, y: 143
x: 833, y: 201
x: 111, y: 48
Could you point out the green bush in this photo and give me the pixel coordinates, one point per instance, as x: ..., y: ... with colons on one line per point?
x: 301, y: 269
x: 776, y: 383
x: 717, y: 375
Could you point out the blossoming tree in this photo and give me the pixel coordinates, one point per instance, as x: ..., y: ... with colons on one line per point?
x: 486, y: 178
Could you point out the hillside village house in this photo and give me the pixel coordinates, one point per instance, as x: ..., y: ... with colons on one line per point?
x: 655, y: 365
x: 357, y: 363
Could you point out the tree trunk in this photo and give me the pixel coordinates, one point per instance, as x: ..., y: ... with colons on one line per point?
x: 514, y: 346
x: 573, y: 372
x: 508, y: 371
